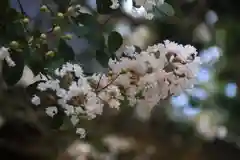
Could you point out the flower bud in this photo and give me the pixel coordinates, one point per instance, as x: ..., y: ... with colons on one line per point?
x: 25, y: 20
x: 44, y: 8
x: 57, y: 30
x: 78, y: 7
x: 60, y: 15
x: 123, y: 71
x: 14, y: 44
x: 110, y: 73
x: 67, y: 36
x: 50, y: 54
x: 70, y: 10
x: 43, y: 36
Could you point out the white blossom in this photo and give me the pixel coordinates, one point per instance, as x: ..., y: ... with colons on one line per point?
x: 116, y: 143
x: 50, y: 84
x: 80, y: 150
x: 81, y: 132
x: 145, y: 78
x: 222, y: 132
x: 115, y: 4
x: 143, y: 10
x: 69, y: 68
x: 51, y: 111
x: 36, y: 100
x: 61, y: 92
x: 129, y: 51
x: 74, y: 119
x: 5, y: 55
x: 69, y: 109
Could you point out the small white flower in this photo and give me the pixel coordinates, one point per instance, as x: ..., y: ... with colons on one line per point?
x: 62, y: 102
x: 149, y: 16
x: 100, y: 80
x: 80, y: 150
x: 138, y: 12
x: 10, y: 62
x: 61, y: 92
x: 129, y: 51
x: 142, y: 11
x: 81, y: 132
x: 42, y: 86
x: 222, y: 132
x: 79, y: 110
x: 69, y: 109
x: 148, y: 4
x: 116, y: 143
x: 128, y: 8
x: 113, y: 103
x: 74, y: 119
x: 5, y: 55
x: 51, y: 111
x: 50, y: 84
x: 36, y: 100
x: 78, y: 70
x: 115, y: 4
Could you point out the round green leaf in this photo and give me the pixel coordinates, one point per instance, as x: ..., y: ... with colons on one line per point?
x: 163, y: 10
x: 115, y: 41
x: 12, y: 75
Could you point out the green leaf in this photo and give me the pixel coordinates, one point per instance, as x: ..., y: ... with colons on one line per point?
x: 87, y: 20
x: 65, y: 51
x: 12, y: 75
x: 115, y: 41
x: 51, y: 66
x: 80, y: 31
x: 91, y: 30
x: 97, y: 41
x: 163, y: 10
x: 102, y: 58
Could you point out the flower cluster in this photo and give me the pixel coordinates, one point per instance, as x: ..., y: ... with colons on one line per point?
x: 161, y: 71
x: 137, y: 12
x: 142, y: 78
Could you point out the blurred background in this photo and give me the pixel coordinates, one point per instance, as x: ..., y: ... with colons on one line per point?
x: 200, y: 124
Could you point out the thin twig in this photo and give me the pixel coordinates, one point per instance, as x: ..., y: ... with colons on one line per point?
x: 21, y: 8
x: 25, y: 14
x: 108, y: 84
x: 99, y: 82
